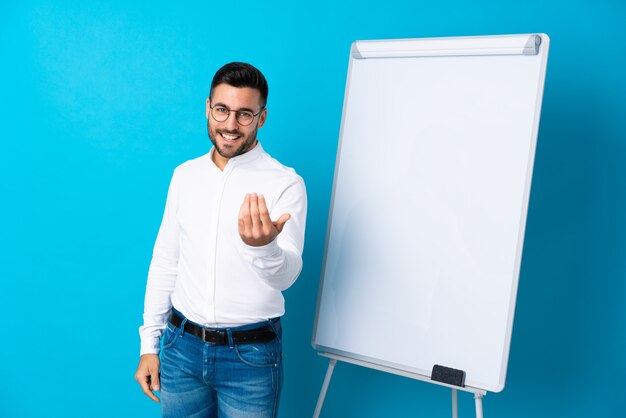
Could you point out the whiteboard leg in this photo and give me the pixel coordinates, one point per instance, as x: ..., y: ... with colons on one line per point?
x: 479, y: 405
x: 455, y: 404
x: 320, y: 400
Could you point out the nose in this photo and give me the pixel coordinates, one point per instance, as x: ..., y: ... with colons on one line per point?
x: 231, y: 122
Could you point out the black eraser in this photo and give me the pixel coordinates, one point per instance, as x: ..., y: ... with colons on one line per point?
x: 448, y: 375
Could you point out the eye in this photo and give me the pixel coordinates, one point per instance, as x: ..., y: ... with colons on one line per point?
x: 220, y: 109
x: 245, y: 115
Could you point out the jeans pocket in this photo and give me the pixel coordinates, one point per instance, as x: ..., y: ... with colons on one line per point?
x: 169, y: 336
x: 259, y: 355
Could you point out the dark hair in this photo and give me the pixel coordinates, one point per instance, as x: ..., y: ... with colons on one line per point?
x: 241, y: 74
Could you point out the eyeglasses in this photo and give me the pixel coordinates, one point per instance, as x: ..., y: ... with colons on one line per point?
x: 243, y: 117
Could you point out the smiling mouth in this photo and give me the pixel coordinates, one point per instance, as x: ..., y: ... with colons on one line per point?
x: 229, y: 137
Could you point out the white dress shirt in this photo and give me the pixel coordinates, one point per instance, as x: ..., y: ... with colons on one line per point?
x: 201, y: 266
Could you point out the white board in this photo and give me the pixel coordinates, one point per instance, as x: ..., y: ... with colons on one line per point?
x: 429, y: 204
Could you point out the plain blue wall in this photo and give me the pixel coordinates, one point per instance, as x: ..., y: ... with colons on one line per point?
x: 100, y: 102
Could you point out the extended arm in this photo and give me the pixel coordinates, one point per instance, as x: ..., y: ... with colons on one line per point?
x: 157, y: 304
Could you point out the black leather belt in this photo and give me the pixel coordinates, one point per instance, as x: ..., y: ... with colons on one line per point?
x: 258, y: 335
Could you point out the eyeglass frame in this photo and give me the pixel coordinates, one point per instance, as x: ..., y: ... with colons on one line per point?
x: 254, y: 115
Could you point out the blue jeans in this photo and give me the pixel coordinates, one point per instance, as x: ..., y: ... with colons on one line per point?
x: 206, y: 380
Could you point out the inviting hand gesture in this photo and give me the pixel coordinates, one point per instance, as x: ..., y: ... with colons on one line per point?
x: 255, y: 226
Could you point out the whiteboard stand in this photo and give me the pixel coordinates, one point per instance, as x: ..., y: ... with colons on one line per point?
x: 443, y: 132
x: 455, y: 404
x: 479, y: 405
x: 478, y: 393
x: 320, y: 399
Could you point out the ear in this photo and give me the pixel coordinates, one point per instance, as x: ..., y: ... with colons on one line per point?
x: 262, y: 118
x: 208, y: 107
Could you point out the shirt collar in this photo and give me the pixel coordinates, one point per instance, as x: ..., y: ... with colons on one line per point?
x: 240, y: 159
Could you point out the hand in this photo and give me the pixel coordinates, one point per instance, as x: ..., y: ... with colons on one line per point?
x: 255, y: 226
x: 148, y: 375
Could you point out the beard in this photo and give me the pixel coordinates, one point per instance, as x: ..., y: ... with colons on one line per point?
x: 242, y: 145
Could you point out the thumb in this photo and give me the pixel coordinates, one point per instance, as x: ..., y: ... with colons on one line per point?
x: 280, y: 223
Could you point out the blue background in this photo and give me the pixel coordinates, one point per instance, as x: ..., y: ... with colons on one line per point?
x: 100, y: 102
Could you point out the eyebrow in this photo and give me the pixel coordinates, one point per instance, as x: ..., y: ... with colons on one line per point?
x: 243, y: 109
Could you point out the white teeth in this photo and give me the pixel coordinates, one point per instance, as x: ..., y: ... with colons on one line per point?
x: 230, y: 137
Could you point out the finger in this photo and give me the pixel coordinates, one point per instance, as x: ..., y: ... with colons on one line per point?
x: 242, y: 226
x: 254, y: 213
x: 264, y: 214
x: 155, y: 380
x: 244, y: 215
x: 280, y: 223
x: 144, y: 382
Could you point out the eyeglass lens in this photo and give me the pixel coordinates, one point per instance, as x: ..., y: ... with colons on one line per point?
x: 221, y: 114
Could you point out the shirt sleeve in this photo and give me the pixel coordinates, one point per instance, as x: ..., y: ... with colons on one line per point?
x: 161, y: 275
x: 280, y: 262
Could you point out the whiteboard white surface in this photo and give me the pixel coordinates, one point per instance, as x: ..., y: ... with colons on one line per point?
x: 429, y: 203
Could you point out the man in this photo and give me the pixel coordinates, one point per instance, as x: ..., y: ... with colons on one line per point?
x: 219, y: 265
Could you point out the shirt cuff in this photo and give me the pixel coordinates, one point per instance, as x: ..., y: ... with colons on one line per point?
x: 270, y: 250
x: 150, y: 347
